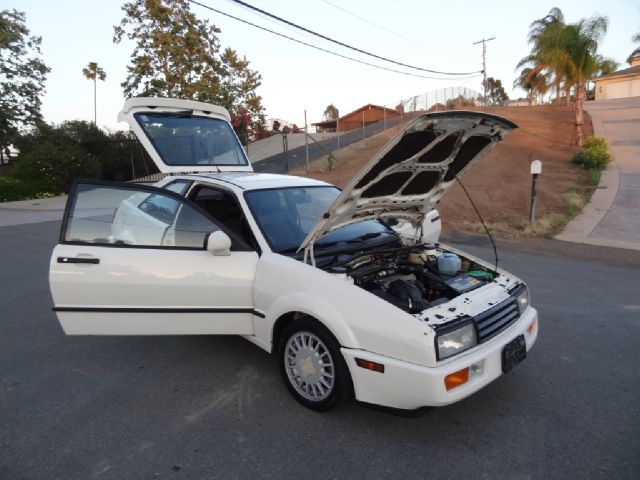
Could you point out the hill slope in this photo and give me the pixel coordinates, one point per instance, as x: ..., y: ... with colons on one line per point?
x: 500, y: 183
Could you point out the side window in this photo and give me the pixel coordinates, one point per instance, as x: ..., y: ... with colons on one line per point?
x: 160, y: 207
x: 178, y: 186
x: 224, y: 207
x: 121, y: 215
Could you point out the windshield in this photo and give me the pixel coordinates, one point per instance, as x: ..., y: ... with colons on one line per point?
x: 286, y: 215
x: 184, y: 140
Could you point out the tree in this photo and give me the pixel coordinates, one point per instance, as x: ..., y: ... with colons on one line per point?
x: 636, y: 52
x: 534, y: 81
x: 22, y: 76
x: 331, y: 113
x: 178, y: 55
x: 93, y: 72
x: 570, y: 52
x: 537, y: 29
x: 56, y: 154
x: 495, y: 92
x: 524, y: 82
x: 605, y: 65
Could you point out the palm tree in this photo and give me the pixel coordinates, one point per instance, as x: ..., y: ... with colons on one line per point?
x: 572, y: 49
x: 534, y: 81
x: 524, y: 82
x: 93, y: 72
x: 537, y: 29
x: 606, y: 65
x: 570, y: 52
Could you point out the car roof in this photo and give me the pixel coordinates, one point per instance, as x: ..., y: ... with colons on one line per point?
x: 255, y: 181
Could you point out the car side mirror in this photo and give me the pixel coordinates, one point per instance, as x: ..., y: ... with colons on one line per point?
x: 219, y: 243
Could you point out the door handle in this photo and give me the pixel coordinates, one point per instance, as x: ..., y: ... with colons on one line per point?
x: 94, y: 261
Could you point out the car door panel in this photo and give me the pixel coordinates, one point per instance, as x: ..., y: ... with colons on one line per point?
x: 122, y: 289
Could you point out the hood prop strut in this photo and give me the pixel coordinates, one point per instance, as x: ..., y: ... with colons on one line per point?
x: 493, y: 243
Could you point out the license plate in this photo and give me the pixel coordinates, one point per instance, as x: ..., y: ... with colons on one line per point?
x: 513, y: 353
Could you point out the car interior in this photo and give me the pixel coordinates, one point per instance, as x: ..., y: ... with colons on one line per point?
x: 224, y: 207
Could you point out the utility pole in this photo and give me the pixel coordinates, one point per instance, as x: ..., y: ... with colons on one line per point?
x: 484, y: 64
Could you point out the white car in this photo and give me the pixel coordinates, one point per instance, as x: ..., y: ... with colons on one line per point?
x: 315, y: 275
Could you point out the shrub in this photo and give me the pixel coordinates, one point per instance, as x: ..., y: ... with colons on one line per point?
x: 595, y: 154
x: 12, y: 189
x: 596, y: 158
x: 55, y: 165
x: 596, y: 142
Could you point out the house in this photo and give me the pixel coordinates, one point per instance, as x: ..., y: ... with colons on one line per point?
x: 363, y: 116
x: 621, y: 84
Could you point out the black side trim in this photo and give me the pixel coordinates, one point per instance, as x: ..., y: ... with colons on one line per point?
x: 95, y: 261
x: 158, y: 310
x: 435, y: 219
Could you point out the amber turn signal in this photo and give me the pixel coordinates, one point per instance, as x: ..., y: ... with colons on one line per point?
x: 533, y: 326
x: 369, y: 365
x: 456, y: 379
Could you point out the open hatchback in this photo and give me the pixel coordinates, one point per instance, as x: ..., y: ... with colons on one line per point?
x: 184, y: 136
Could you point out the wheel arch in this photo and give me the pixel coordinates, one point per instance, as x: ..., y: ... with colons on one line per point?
x: 287, y: 319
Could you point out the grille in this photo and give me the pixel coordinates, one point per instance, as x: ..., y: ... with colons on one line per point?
x: 496, y: 319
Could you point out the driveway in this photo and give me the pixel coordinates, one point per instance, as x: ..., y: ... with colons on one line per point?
x: 613, y: 217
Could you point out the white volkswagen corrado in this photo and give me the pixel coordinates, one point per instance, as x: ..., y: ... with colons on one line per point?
x: 346, y: 287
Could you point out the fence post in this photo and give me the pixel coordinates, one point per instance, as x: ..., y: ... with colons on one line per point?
x: 306, y: 141
x: 133, y: 168
x: 285, y: 152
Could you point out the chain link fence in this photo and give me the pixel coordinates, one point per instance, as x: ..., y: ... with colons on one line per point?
x: 283, y: 152
x: 442, y: 99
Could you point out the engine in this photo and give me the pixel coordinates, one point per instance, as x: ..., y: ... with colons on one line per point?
x: 417, y: 278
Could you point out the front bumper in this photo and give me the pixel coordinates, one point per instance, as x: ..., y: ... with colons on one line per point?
x: 408, y: 386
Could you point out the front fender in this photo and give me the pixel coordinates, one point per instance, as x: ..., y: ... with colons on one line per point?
x: 357, y: 318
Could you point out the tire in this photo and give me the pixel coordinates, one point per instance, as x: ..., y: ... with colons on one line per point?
x: 312, y: 366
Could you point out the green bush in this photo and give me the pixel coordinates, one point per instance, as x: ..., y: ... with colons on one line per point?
x: 596, y: 158
x: 596, y: 142
x: 12, y: 189
x: 595, y: 155
x: 56, y: 165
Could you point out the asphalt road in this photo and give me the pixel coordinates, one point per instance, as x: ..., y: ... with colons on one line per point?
x: 215, y: 407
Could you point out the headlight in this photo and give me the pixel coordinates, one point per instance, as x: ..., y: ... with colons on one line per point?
x: 454, y: 341
x: 523, y: 299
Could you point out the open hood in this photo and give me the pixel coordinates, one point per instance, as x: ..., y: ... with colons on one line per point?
x: 184, y: 136
x: 412, y: 172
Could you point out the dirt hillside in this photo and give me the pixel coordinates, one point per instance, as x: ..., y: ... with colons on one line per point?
x: 500, y: 183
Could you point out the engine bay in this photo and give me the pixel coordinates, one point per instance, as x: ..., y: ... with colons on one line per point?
x: 415, y: 278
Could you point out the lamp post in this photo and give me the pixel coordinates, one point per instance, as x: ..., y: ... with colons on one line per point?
x: 536, y: 170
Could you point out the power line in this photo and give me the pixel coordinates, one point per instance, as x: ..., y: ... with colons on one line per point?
x: 342, y: 44
x: 381, y: 27
x: 324, y: 49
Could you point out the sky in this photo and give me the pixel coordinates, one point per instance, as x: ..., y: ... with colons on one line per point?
x: 429, y: 34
